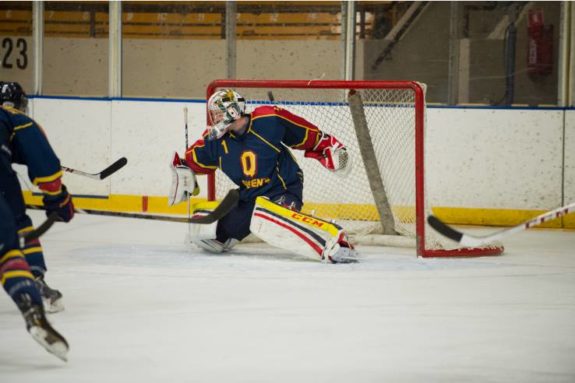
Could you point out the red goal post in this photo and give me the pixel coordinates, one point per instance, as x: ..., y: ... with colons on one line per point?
x: 383, y: 125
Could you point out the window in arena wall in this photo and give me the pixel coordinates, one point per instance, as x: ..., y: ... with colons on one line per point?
x: 495, y: 53
x: 75, y: 48
x: 467, y: 52
x: 16, y: 43
x: 409, y: 40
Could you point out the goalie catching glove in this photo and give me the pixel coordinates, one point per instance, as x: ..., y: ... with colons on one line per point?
x: 184, y: 183
x: 332, y: 154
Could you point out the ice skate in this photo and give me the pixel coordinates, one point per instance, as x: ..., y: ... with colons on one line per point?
x: 38, y: 326
x: 340, y: 253
x: 51, y: 298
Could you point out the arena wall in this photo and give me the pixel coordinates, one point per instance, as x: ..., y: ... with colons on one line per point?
x: 511, y: 162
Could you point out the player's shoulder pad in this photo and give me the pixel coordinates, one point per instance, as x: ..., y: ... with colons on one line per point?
x: 265, y: 111
x: 15, y: 113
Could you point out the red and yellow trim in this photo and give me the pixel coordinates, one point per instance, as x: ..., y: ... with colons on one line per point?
x: 47, y: 179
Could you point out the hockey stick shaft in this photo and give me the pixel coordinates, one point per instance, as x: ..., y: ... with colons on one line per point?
x: 469, y: 240
x: 120, y: 163
x: 186, y: 129
x: 227, y: 204
x: 40, y: 230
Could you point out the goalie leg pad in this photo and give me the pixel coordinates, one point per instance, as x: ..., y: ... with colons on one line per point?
x: 298, y: 232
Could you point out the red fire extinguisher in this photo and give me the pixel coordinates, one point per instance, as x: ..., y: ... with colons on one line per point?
x: 540, y: 48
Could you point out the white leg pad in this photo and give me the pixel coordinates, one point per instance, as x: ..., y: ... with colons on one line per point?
x: 215, y: 246
x: 204, y: 235
x: 294, y: 231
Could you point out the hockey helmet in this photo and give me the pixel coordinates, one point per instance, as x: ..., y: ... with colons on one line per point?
x: 224, y: 107
x: 12, y: 95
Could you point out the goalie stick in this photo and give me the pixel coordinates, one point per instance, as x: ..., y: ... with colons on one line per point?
x: 474, y: 241
x: 228, y: 203
x: 120, y: 163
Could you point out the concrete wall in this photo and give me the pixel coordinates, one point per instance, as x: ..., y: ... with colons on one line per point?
x: 173, y: 68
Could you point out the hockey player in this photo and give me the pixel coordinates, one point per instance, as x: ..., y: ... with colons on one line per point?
x: 22, y: 269
x: 24, y: 142
x: 253, y: 150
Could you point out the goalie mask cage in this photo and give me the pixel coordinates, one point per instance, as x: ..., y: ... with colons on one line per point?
x: 383, y: 197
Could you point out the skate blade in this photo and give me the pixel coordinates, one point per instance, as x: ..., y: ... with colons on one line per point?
x: 347, y: 260
x: 58, y: 348
x: 341, y: 260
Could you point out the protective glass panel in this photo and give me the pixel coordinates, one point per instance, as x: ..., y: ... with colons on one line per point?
x: 476, y: 52
x: 508, y: 53
x: 405, y: 41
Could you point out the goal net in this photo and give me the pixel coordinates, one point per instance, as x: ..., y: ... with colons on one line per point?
x: 383, y: 199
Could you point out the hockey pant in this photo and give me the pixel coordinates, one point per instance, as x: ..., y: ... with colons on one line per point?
x: 15, y: 274
x: 10, y: 187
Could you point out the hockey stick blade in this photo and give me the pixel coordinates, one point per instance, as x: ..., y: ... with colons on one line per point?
x: 120, y: 163
x: 444, y: 229
x: 470, y: 240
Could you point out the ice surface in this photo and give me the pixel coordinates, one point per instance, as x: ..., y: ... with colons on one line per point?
x: 141, y: 307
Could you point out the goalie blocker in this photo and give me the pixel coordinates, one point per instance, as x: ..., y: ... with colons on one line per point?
x: 283, y: 228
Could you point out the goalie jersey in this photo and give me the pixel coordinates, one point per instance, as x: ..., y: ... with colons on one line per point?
x: 259, y: 161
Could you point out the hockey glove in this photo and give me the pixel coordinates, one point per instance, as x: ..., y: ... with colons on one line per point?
x: 61, y: 204
x: 332, y: 154
x: 184, y: 182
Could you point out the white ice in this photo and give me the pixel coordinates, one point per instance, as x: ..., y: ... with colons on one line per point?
x: 141, y: 307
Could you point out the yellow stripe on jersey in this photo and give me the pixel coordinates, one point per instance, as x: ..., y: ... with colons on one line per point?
x: 11, y: 254
x: 264, y: 115
x: 265, y: 141
x: 41, y: 180
x: 301, y: 218
x: 20, y: 127
x: 52, y: 193
x: 304, y: 139
x: 31, y: 250
x: 307, y: 128
x: 281, y: 178
x: 16, y: 274
x: 26, y: 229
x: 195, y: 157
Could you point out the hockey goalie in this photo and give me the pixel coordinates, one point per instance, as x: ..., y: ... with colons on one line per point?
x: 253, y: 150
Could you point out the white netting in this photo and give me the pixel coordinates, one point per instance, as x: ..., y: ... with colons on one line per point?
x: 391, y: 119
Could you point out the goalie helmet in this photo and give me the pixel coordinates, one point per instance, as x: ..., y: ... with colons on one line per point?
x: 224, y: 107
x: 12, y: 95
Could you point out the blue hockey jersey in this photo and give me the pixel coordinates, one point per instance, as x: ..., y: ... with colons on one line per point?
x: 259, y: 161
x: 22, y: 141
